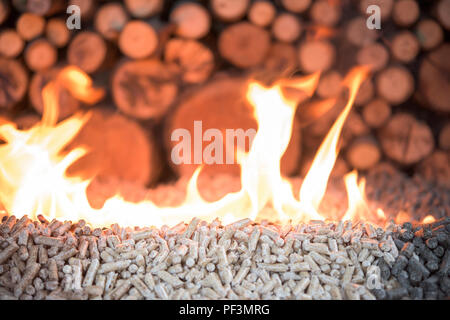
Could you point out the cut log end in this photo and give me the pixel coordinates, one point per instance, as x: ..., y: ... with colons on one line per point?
x: 330, y: 85
x: 405, y: 46
x: 286, y: 28
x: 324, y: 12
x: 66, y: 102
x: 434, y: 81
x: 143, y: 89
x: 30, y: 26
x: 40, y: 55
x: 435, y: 168
x: 144, y: 8
x: 229, y: 10
x: 118, y: 148
x: 365, y: 92
x: 316, y: 55
x: 358, y: 34
x: 281, y: 59
x: 374, y: 55
x: 192, y: 20
x: 138, y: 40
x: 110, y: 19
x: 376, y: 113
x: 11, y: 44
x: 87, y: 51
x: 405, y: 12
x: 244, y: 45
x: 429, y: 33
x: 296, y: 6
x: 406, y: 140
x: 395, y: 84
x: 363, y: 153
x: 13, y: 82
x: 443, y: 13
x: 190, y: 59
x: 57, y: 33
x: 261, y: 13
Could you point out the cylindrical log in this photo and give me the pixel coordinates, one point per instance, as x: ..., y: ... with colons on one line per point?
x: 376, y: 113
x: 286, y: 27
x: 192, y: 20
x: 325, y: 12
x: 40, y: 54
x: 110, y: 19
x: 435, y: 168
x: 330, y: 85
x: 87, y: 8
x: 444, y: 137
x: 229, y: 10
x: 296, y: 6
x: 262, y: 13
x: 365, y: 92
x: 281, y: 59
x: 4, y: 10
x: 395, y: 84
x: 244, y: 44
x: 404, y: 46
x: 374, y: 55
x: 138, y: 40
x: 405, y: 139
x: 316, y: 55
x: 190, y: 59
x: 429, y: 33
x: 13, y: 82
x: 45, y: 7
x: 57, y: 33
x: 144, y: 8
x: 118, y: 148
x: 11, y: 44
x: 363, y: 153
x: 66, y: 102
x: 405, y: 12
x: 358, y: 34
x: 434, y: 81
x: 443, y: 13
x: 220, y: 104
x: 87, y: 51
x: 30, y: 26
x: 143, y: 89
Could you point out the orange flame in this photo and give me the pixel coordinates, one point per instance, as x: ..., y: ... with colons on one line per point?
x: 33, y: 179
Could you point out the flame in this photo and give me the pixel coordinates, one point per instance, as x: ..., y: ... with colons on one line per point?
x: 34, y: 181
x: 428, y: 219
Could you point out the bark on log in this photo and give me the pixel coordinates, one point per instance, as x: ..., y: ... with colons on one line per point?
x: 316, y: 55
x: 229, y: 10
x: 192, y: 61
x: 395, y: 84
x: 57, y: 33
x: 286, y: 27
x: 405, y: 12
x: 118, y: 148
x: 138, y: 40
x: 192, y: 20
x: 87, y: 51
x: 40, y: 55
x: 405, y: 139
x: 434, y: 81
x: 262, y: 13
x: 11, y: 44
x: 144, y: 8
x: 221, y: 104
x: 363, y: 153
x: 110, y: 19
x: 143, y: 89
x: 13, y: 82
x: 244, y: 44
x: 67, y: 103
x: 376, y: 113
x: 404, y: 46
x: 30, y: 26
x: 429, y: 33
x: 374, y: 55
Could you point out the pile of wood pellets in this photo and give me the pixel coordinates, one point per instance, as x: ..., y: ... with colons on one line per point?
x: 56, y: 260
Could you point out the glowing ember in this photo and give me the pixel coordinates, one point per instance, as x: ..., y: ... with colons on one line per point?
x: 33, y: 179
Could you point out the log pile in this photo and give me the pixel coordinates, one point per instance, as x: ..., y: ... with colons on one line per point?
x: 155, y: 57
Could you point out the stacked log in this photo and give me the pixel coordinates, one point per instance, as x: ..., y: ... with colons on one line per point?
x: 156, y: 57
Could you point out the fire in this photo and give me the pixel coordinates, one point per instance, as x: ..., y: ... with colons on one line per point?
x: 34, y: 181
